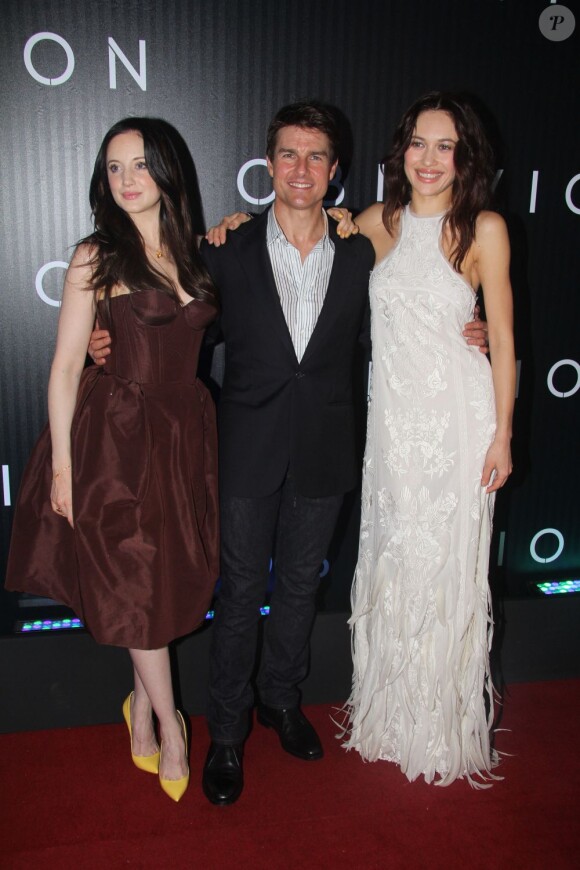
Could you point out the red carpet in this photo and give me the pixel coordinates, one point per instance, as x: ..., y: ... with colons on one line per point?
x: 71, y: 798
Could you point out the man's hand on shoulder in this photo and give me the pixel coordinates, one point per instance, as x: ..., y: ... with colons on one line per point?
x: 217, y: 235
x: 346, y: 225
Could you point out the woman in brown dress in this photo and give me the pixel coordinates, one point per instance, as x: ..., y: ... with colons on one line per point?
x: 117, y: 512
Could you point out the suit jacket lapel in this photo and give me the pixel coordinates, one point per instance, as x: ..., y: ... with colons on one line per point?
x: 258, y: 268
x: 336, y: 294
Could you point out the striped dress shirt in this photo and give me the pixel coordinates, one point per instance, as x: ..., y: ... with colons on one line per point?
x: 301, y: 285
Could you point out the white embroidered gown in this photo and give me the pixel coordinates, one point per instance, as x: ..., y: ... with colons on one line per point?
x: 421, y: 616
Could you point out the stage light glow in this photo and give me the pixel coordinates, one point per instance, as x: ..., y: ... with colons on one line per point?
x: 558, y: 587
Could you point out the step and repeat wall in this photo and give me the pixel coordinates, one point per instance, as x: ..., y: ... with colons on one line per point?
x: 218, y: 70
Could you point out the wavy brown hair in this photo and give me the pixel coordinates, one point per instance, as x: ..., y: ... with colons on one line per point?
x: 117, y: 248
x: 474, y: 168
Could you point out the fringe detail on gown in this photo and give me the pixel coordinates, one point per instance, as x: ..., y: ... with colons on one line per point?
x: 422, y: 694
x: 421, y: 620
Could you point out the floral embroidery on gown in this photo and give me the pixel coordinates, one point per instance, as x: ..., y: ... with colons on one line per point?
x: 421, y: 614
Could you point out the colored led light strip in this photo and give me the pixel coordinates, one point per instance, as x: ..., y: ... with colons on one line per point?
x: 35, y: 625
x: 558, y: 587
x: 31, y: 625
x: 263, y: 610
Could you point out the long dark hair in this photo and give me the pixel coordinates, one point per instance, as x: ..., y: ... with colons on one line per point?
x: 473, y: 159
x: 117, y: 249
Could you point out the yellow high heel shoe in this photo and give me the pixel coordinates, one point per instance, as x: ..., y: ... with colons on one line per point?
x: 148, y: 763
x: 176, y: 788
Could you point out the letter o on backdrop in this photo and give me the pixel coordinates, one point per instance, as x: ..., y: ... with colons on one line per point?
x: 552, y: 372
x: 559, y: 537
x: 55, y: 264
x: 249, y: 164
x: 70, y: 58
x: 569, y: 202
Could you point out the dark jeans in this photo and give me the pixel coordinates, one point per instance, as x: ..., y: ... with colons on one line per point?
x: 300, y: 530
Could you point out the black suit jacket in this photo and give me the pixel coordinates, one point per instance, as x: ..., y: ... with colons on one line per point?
x: 274, y: 411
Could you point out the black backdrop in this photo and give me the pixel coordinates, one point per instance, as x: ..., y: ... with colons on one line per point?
x: 218, y: 70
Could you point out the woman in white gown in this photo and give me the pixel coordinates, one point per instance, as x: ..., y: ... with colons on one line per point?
x: 438, y: 448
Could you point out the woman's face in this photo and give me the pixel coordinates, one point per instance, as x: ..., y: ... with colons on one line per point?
x: 132, y: 187
x: 429, y: 164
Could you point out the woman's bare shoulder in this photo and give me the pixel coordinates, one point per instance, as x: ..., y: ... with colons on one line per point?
x: 82, y: 264
x: 372, y: 226
x: 371, y: 218
x: 489, y: 225
x: 84, y: 254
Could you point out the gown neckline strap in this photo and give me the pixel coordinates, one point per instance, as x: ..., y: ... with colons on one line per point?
x: 424, y: 217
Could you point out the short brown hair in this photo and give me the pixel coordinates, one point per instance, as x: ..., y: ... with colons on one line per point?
x: 309, y: 114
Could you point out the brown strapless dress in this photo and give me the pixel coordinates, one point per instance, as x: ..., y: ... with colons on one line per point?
x: 140, y: 566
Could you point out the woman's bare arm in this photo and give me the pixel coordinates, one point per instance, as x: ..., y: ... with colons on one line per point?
x: 491, y: 261
x: 75, y: 323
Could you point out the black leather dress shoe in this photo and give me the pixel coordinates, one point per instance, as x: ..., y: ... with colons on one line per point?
x: 296, y: 734
x: 223, y: 774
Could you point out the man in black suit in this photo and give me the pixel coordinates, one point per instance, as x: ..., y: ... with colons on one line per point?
x: 294, y: 299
